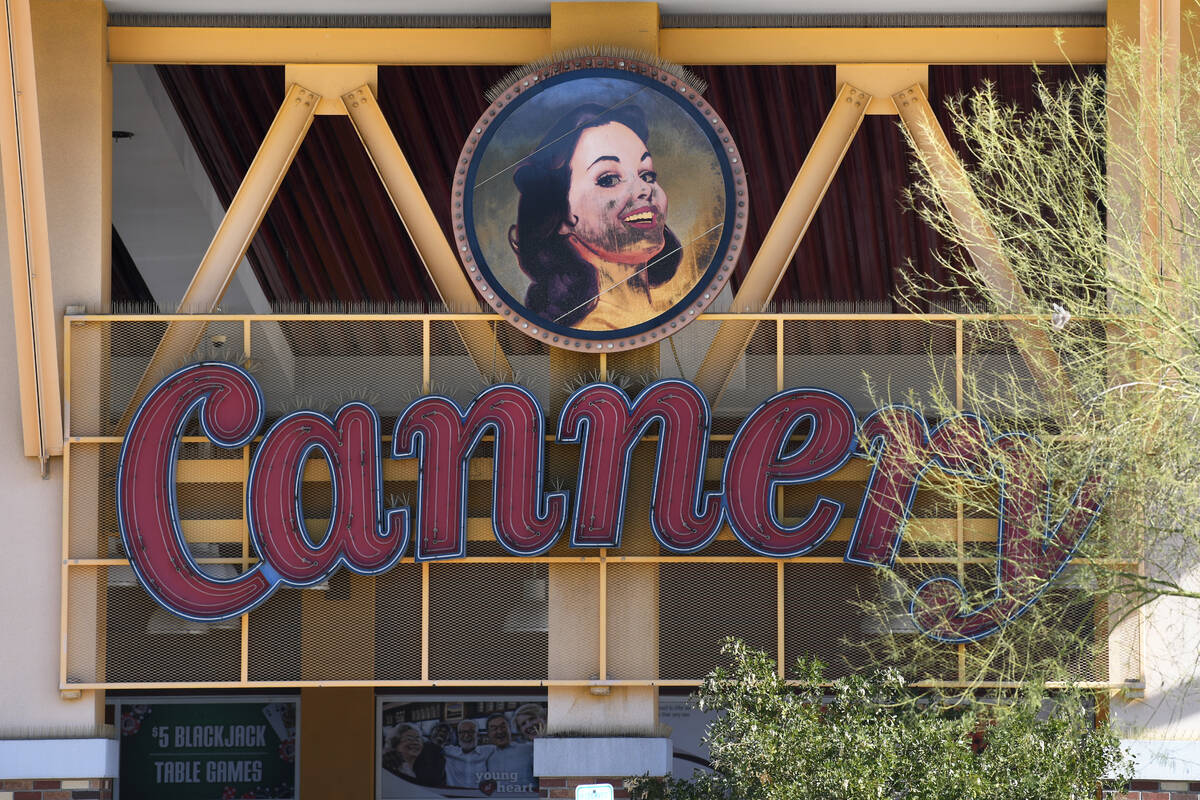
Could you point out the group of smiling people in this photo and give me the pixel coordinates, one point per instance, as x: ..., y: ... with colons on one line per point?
x: 456, y: 758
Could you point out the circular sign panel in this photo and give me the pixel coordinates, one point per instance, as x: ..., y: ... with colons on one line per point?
x: 599, y: 204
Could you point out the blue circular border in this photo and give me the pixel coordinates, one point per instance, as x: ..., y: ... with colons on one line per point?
x: 713, y: 277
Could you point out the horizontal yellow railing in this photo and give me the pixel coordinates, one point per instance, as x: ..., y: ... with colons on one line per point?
x: 89, y: 520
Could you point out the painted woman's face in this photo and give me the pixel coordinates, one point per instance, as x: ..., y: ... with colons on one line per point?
x: 618, y: 208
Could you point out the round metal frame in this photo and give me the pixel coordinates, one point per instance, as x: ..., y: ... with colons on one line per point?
x: 713, y: 277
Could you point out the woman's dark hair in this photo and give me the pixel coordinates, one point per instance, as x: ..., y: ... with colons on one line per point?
x: 563, y: 286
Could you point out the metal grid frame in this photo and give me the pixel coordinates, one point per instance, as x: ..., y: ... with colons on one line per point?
x: 86, y: 613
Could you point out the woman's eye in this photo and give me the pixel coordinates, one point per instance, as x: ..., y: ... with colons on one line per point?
x: 650, y: 176
x: 608, y: 180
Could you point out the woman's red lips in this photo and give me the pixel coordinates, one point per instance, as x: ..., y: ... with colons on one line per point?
x: 644, y: 217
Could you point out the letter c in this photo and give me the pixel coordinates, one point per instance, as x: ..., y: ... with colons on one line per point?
x: 230, y: 407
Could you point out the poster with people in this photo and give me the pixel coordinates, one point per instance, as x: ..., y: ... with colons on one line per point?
x: 457, y: 746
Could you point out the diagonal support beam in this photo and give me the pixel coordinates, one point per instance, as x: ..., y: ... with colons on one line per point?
x: 981, y: 243
x: 762, y: 279
x: 28, y: 239
x: 233, y: 237
x: 423, y: 228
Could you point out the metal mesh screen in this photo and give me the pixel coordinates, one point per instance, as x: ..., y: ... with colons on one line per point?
x: 991, y: 367
x: 301, y: 364
x: 700, y: 605
x: 489, y: 621
x: 637, y: 613
x: 116, y: 634
x: 91, y: 502
x: 823, y: 617
x: 906, y: 358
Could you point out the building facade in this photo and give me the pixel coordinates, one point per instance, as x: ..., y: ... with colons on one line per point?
x: 277, y: 196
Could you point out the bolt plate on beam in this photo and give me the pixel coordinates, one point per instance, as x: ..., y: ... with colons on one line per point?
x: 331, y: 81
x: 881, y: 81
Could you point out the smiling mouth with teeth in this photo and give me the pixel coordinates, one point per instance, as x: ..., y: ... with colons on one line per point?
x: 641, y: 216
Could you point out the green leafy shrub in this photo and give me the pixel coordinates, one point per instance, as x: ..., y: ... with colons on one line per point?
x: 875, y: 738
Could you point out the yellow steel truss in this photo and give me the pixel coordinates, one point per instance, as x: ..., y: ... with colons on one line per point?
x: 511, y: 46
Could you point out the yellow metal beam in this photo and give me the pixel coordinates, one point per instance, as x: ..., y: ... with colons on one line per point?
x: 883, y: 45
x: 479, y: 468
x: 781, y: 241
x: 250, y: 204
x: 28, y: 239
x: 981, y: 243
x: 503, y: 46
x: 233, y: 237
x: 423, y: 228
x: 534, y: 682
x: 585, y: 24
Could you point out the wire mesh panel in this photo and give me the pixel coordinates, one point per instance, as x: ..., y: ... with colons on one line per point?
x: 632, y: 621
x: 398, y: 609
x: 108, y: 358
x: 1063, y: 634
x: 874, y: 361
x: 323, y: 364
x: 1123, y: 655
x: 86, y: 597
x: 144, y: 639
x: 940, y: 528
x: 488, y: 621
x: 573, y: 621
x: 846, y: 486
x: 701, y: 604
x: 273, y: 638
x: 453, y: 372
x: 636, y: 613
x: 825, y: 616
x: 91, y: 502
x: 997, y: 382
x: 753, y: 380
x: 117, y: 634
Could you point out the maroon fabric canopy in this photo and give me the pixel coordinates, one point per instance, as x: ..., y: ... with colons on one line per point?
x: 332, y: 236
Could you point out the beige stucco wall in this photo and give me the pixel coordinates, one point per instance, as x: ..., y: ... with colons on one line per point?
x: 1168, y: 658
x: 74, y: 99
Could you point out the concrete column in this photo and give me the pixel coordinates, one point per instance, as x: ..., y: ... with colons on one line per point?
x: 632, y: 591
x: 74, y: 94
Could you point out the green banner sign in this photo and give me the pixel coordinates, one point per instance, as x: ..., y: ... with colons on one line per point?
x: 208, y: 750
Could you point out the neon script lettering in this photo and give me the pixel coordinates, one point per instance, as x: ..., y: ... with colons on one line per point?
x: 365, y: 536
